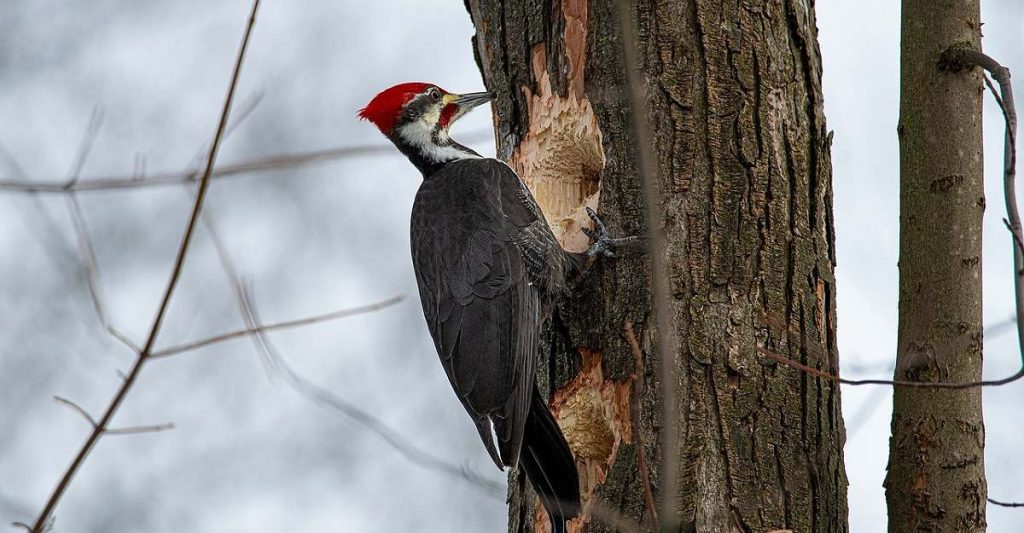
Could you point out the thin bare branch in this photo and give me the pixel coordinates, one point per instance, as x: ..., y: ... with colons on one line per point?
x: 991, y: 331
x: 277, y: 367
x: 207, y: 220
x: 239, y: 115
x: 288, y: 324
x: 22, y: 525
x: 85, y: 247
x: 139, y: 167
x: 78, y: 409
x: 172, y: 283
x: 1006, y: 504
x: 332, y: 402
x: 135, y: 430
x: 641, y: 455
x: 995, y: 92
x: 50, y: 237
x: 782, y: 359
x: 236, y: 119
x: 1017, y: 239
x: 656, y: 250
x: 959, y: 58
x: 259, y: 338
x: 109, y: 183
x: 12, y: 162
x: 88, y: 255
x: 88, y: 139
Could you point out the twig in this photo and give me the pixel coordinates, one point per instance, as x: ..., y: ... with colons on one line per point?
x: 1017, y: 239
x: 86, y: 250
x: 135, y: 430
x: 333, y: 315
x: 336, y: 404
x: 273, y: 362
x: 91, y: 130
x: 177, y: 178
x: 50, y: 237
x: 144, y: 354
x: 277, y: 367
x: 656, y: 249
x: 958, y: 58
x: 967, y: 57
x: 239, y: 115
x: 12, y: 506
x: 139, y: 168
x: 994, y: 92
x: 110, y: 183
x: 78, y: 409
x: 88, y: 254
x: 207, y: 220
x: 990, y: 332
x: 1005, y: 504
x: 12, y: 162
x: 641, y: 456
x: 779, y: 358
x: 259, y: 338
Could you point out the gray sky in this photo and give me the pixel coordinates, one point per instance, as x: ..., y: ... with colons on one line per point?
x: 248, y: 453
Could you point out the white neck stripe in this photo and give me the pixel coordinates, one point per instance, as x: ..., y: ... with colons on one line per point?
x: 420, y: 136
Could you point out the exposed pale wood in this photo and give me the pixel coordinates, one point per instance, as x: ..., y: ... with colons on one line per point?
x: 743, y: 152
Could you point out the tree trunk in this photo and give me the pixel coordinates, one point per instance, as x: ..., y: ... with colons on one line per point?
x: 936, y: 478
x: 735, y: 105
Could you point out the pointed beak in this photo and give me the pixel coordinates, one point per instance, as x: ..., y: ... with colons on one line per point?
x: 471, y: 100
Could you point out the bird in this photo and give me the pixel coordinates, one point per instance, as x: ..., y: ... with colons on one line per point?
x: 489, y: 270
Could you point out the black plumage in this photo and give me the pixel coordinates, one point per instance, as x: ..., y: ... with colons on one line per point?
x: 488, y: 269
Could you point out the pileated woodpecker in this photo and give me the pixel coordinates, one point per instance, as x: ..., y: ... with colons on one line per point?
x: 489, y: 270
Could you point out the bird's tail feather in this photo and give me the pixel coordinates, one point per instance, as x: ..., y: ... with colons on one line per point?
x: 549, y: 464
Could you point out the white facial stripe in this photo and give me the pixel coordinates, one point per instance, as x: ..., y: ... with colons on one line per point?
x: 431, y: 116
x: 420, y: 135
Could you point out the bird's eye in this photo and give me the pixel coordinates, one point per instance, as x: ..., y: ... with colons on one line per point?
x: 435, y: 95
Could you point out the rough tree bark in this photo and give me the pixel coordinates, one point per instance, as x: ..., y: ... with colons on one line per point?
x: 936, y: 472
x: 735, y: 103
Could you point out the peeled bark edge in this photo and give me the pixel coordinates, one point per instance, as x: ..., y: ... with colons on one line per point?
x: 745, y: 157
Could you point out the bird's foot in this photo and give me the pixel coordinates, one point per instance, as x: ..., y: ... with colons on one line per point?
x: 601, y: 242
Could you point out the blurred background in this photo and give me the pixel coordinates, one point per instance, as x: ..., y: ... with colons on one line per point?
x: 248, y: 452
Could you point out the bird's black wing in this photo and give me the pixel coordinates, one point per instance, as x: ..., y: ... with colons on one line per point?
x: 481, y: 306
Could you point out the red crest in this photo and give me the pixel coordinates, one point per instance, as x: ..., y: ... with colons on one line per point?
x: 385, y: 108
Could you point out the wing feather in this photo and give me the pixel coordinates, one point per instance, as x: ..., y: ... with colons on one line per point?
x: 482, y: 308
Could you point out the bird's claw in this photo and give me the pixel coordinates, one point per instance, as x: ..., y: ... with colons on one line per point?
x: 601, y: 242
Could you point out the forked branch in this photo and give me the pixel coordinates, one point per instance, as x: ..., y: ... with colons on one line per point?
x: 165, y: 179
x: 100, y: 428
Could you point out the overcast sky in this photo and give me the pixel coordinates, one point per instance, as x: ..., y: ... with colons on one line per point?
x: 248, y: 453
